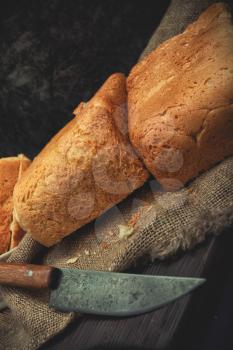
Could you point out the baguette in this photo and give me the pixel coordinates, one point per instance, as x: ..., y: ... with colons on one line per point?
x: 180, y: 100
x: 85, y: 169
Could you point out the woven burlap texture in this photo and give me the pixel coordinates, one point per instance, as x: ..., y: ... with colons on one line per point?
x: 162, y: 224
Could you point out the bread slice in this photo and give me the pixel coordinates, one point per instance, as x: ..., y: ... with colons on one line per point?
x: 10, y: 171
x: 180, y: 100
x: 85, y: 169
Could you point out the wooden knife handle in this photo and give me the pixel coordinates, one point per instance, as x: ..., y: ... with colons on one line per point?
x: 26, y: 275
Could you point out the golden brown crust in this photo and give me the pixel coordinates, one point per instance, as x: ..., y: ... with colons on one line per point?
x: 10, y: 170
x: 180, y: 100
x: 86, y: 168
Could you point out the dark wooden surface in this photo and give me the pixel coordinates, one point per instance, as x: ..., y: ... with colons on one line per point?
x: 176, y: 326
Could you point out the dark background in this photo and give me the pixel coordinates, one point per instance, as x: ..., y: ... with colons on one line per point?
x: 54, y: 54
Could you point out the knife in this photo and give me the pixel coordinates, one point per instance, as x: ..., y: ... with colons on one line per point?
x: 100, y: 293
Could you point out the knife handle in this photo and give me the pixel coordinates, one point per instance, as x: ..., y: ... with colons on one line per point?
x: 26, y: 275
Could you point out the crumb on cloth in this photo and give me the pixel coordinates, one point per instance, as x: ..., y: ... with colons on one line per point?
x: 125, y: 231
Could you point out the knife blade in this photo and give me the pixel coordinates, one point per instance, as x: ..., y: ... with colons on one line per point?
x: 117, y: 294
x: 100, y: 293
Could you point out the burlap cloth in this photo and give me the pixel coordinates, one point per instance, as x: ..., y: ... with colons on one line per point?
x: 160, y: 224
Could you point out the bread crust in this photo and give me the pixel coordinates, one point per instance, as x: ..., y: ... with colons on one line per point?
x: 85, y: 169
x: 10, y: 171
x: 180, y: 100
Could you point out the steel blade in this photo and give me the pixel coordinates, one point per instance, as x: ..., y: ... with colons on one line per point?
x: 117, y: 294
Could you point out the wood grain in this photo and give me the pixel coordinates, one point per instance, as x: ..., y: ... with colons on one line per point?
x: 26, y: 275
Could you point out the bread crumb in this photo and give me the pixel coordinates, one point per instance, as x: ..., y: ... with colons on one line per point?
x: 87, y: 252
x: 148, y: 208
x: 134, y: 219
x: 125, y: 231
x: 104, y: 245
x: 72, y: 260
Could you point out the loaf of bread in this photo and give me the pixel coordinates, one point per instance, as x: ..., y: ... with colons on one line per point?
x: 85, y: 169
x: 11, y: 170
x: 180, y: 100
